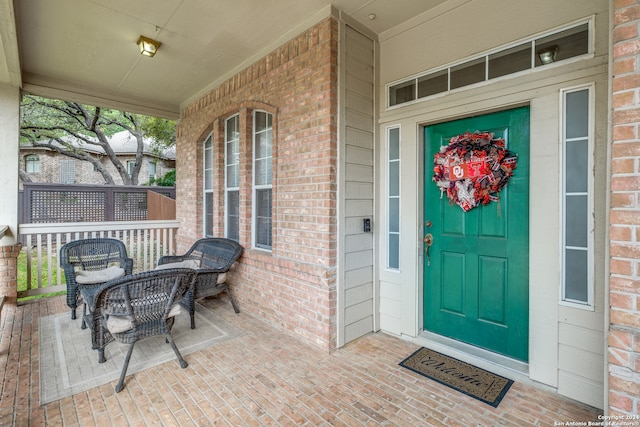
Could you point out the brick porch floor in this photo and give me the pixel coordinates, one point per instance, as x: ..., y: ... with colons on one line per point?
x: 263, y: 378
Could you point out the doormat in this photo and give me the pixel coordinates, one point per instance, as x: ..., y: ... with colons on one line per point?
x: 68, y: 365
x: 468, y: 379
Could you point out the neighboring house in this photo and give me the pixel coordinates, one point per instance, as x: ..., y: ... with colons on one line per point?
x: 44, y: 165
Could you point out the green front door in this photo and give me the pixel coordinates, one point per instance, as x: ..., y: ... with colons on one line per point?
x: 476, y: 274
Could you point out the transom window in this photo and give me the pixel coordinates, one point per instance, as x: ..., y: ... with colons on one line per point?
x: 537, y: 52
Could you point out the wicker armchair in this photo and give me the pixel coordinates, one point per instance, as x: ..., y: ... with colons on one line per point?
x: 94, y: 262
x: 139, y: 306
x: 212, y: 258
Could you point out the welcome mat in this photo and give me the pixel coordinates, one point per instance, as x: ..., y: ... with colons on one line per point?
x: 468, y: 379
x: 68, y: 365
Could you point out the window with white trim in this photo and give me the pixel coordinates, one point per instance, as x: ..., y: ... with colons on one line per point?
x: 393, y: 198
x: 32, y: 163
x: 207, y: 177
x: 577, y: 190
x: 131, y: 165
x: 262, y: 178
x: 232, y: 177
x: 152, y: 170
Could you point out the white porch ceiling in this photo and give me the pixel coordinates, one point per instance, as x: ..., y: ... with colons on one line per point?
x: 85, y: 49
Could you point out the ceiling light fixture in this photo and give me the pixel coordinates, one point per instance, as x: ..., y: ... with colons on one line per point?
x: 548, y: 54
x: 148, y: 47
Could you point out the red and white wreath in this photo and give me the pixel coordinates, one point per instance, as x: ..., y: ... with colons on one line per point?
x: 473, y: 168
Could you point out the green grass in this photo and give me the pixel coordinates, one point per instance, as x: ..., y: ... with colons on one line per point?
x: 22, y: 274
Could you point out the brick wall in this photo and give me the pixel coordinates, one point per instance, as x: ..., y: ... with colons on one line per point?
x: 9, y: 270
x: 292, y: 287
x: 624, y: 332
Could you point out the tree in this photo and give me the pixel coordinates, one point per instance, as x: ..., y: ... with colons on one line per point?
x: 70, y: 128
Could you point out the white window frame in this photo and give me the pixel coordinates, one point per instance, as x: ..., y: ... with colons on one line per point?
x: 258, y: 187
x: 32, y: 163
x: 227, y: 188
x: 389, y: 233
x: 589, y: 304
x: 131, y: 165
x: 207, y: 187
x: 152, y: 169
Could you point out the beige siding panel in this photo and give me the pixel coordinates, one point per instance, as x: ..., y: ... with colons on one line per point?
x: 360, y: 121
x: 357, y: 138
x: 360, y: 259
x: 359, y: 277
x: 358, y: 242
x: 358, y: 329
x: 359, y: 294
x: 581, y: 389
x: 353, y: 225
x: 359, y: 190
x: 360, y: 87
x: 361, y: 208
x: 577, y: 362
x: 359, y: 173
x: 361, y: 156
x: 358, y: 311
x: 359, y: 103
x: 582, y: 338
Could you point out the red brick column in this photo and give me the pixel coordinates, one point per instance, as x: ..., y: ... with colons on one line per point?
x: 9, y: 271
x: 624, y: 292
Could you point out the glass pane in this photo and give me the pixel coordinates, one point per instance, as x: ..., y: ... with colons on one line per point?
x: 394, y: 179
x: 403, y: 92
x: 208, y: 179
x: 263, y: 144
x: 468, y: 73
x: 393, y: 254
x: 576, y: 278
x: 232, y: 128
x: 233, y: 219
x: 263, y: 172
x: 577, y: 114
x: 567, y: 44
x: 394, y: 215
x: 433, y: 83
x: 394, y: 143
x: 510, y: 61
x: 233, y: 179
x: 261, y: 120
x: 208, y: 158
x: 263, y: 218
x: 576, y: 166
x: 576, y: 221
x: 208, y: 218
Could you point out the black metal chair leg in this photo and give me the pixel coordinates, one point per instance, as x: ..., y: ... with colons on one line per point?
x: 123, y: 374
x: 233, y: 303
x: 183, y: 363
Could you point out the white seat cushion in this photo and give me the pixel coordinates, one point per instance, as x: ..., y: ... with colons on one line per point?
x: 119, y: 324
x: 85, y: 277
x: 187, y: 263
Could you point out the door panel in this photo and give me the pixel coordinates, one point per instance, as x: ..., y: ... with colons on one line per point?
x: 476, y: 274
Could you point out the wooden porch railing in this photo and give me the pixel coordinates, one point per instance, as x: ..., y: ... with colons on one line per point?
x: 146, y: 242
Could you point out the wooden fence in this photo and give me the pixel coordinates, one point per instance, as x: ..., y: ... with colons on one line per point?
x: 56, y: 203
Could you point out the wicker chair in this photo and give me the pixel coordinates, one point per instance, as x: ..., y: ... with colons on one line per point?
x: 139, y: 306
x: 100, y: 257
x: 212, y: 258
